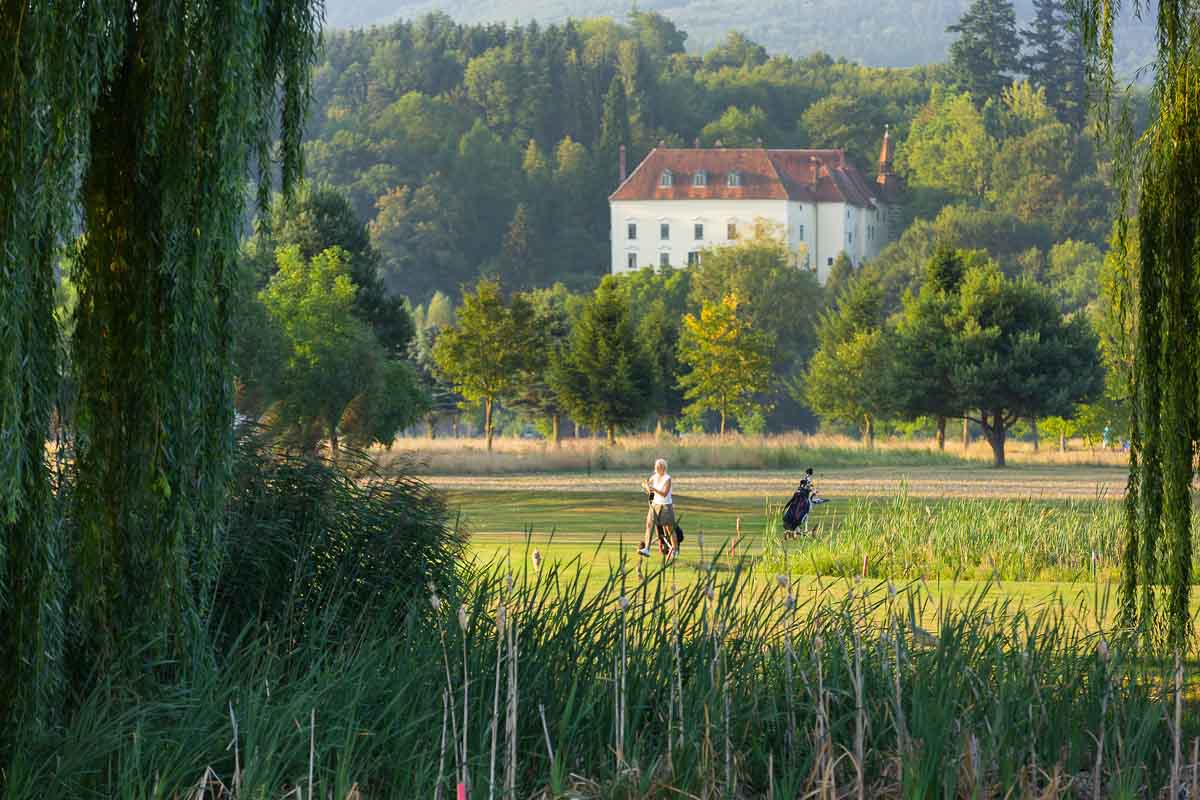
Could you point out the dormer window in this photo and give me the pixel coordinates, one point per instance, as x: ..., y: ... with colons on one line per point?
x: 700, y: 178
x: 666, y: 179
x: 733, y: 179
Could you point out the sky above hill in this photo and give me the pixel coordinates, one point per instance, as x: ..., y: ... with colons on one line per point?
x: 879, y: 33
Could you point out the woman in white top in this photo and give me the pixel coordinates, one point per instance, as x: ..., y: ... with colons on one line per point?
x: 662, y: 508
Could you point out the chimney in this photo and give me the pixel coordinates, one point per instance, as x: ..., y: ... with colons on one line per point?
x: 621, y: 162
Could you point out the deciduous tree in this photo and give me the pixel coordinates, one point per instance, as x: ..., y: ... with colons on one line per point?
x: 1015, y: 356
x: 483, y: 354
x: 844, y: 379
x: 729, y: 362
x: 335, y: 371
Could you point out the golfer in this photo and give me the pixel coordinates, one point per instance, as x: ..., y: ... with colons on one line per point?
x: 662, y: 508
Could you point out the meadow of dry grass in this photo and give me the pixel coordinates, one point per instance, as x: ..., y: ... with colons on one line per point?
x: 511, y: 455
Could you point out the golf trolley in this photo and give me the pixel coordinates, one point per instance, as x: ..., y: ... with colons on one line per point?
x: 795, y: 513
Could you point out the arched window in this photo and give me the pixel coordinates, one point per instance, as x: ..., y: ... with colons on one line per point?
x: 733, y: 179
x: 666, y: 179
x: 700, y: 178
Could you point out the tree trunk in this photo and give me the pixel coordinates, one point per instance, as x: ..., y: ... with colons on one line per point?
x: 995, y: 435
x: 1036, y: 436
x: 966, y: 437
x: 1062, y: 440
x: 575, y: 422
x: 612, y: 434
x: 941, y: 433
x: 722, y: 434
x: 333, y: 443
x: 487, y: 421
x: 430, y: 429
x: 869, y: 431
x: 555, y: 433
x: 454, y: 426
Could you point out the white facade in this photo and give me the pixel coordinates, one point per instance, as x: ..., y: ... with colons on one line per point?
x: 816, y: 232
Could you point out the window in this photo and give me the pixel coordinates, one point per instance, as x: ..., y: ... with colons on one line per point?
x: 829, y: 262
x: 700, y: 178
x: 731, y: 230
x: 665, y: 179
x: 698, y: 230
x: 631, y: 230
x: 801, y: 233
x: 733, y: 179
x: 631, y: 260
x: 664, y: 231
x: 850, y: 237
x: 664, y: 259
x: 693, y: 258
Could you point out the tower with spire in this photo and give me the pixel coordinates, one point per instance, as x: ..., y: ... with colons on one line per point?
x: 891, y: 185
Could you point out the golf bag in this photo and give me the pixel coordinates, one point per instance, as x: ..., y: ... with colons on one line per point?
x: 796, y: 510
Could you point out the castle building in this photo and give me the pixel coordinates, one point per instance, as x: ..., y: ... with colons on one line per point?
x: 679, y: 202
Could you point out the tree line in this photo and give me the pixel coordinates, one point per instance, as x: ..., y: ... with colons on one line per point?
x: 741, y: 339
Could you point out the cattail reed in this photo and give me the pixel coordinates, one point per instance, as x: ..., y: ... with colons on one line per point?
x: 500, y: 636
x: 464, y: 625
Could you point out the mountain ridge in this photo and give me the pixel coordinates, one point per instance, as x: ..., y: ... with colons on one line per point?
x: 888, y: 33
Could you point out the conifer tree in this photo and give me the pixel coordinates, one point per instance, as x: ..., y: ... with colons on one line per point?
x: 987, y: 52
x: 1054, y: 60
x: 614, y: 130
x: 603, y: 377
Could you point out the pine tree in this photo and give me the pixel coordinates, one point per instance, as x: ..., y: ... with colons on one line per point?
x: 603, y: 377
x: 987, y: 52
x: 1043, y: 61
x: 1055, y: 60
x: 614, y: 130
x: 520, y: 260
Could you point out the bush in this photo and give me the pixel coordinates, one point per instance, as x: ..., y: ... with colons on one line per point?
x: 307, y: 537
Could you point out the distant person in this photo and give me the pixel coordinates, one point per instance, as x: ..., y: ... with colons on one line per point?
x: 661, y: 515
x: 1107, y: 437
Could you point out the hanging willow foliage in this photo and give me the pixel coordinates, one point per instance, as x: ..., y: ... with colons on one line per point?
x: 1166, y: 421
x: 138, y: 120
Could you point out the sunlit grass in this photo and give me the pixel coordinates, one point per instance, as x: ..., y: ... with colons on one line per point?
x: 605, y: 685
x: 468, y: 456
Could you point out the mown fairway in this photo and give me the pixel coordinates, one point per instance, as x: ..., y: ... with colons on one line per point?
x: 579, y: 513
x: 1033, y: 533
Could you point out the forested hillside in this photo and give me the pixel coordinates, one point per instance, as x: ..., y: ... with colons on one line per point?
x: 888, y: 33
x: 474, y: 150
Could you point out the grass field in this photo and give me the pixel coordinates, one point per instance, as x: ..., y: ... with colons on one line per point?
x: 1036, y: 534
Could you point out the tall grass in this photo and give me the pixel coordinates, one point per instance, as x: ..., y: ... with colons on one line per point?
x: 906, y: 537
x: 449, y: 456
x: 722, y: 688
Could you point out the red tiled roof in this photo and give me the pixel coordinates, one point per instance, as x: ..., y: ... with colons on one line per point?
x: 797, y: 175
